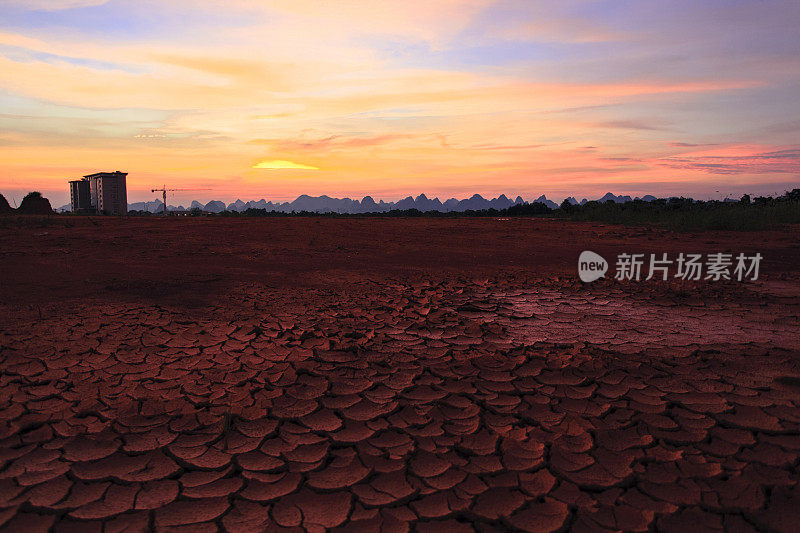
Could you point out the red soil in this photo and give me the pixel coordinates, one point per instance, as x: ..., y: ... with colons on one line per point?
x: 193, y: 259
x: 260, y: 374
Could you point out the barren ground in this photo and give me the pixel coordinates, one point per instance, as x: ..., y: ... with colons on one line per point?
x: 391, y: 374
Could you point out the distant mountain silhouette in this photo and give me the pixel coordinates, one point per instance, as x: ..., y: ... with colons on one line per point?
x: 622, y: 199
x: 156, y: 206
x: 215, y: 206
x: 573, y: 201
x: 238, y: 205
x: 549, y: 203
x: 327, y: 204
x: 616, y: 199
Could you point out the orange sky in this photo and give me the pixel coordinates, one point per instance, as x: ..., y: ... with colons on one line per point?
x: 275, y: 99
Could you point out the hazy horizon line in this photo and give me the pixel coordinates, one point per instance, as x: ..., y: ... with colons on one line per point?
x: 778, y: 189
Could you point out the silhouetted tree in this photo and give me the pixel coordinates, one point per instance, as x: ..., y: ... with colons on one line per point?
x: 4, y: 207
x: 794, y: 195
x: 35, y: 204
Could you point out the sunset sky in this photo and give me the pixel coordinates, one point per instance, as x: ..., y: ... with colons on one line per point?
x: 272, y: 99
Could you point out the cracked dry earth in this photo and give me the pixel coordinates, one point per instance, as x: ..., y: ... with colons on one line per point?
x: 467, y: 405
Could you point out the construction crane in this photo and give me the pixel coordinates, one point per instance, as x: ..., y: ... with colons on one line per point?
x: 163, y: 190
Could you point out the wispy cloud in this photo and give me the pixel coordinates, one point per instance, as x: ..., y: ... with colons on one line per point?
x: 689, y: 145
x: 53, y: 5
x: 282, y: 164
x: 743, y: 160
x: 332, y: 142
x: 631, y: 125
x: 391, y: 95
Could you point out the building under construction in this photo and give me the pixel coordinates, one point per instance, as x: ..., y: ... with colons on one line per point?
x: 102, y: 193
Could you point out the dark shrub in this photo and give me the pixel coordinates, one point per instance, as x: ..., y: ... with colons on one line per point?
x: 35, y: 204
x: 4, y: 207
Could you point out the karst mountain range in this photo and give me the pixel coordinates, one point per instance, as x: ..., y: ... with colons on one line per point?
x: 327, y: 204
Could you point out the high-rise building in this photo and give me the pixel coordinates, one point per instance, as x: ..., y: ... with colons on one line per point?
x: 103, y: 193
x: 80, y: 196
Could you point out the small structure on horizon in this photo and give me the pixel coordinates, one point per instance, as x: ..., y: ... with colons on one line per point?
x: 103, y: 193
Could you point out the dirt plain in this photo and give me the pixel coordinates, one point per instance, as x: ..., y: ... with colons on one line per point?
x: 374, y: 374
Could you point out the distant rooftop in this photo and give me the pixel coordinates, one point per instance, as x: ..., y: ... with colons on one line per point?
x: 98, y: 174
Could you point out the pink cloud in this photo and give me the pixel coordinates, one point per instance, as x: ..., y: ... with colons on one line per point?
x: 738, y: 160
